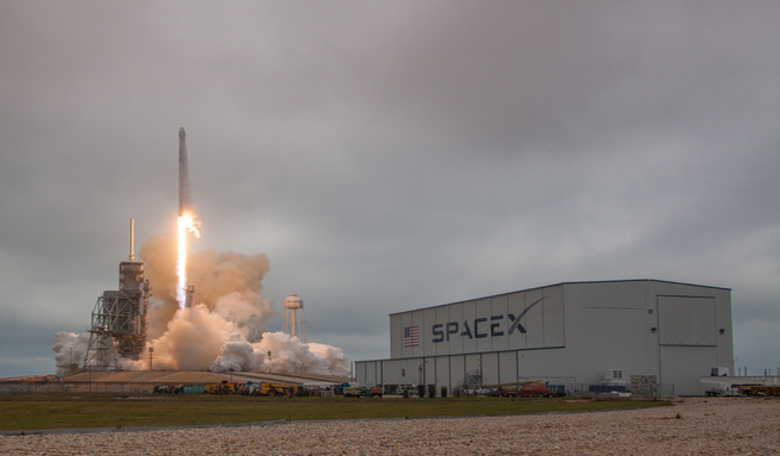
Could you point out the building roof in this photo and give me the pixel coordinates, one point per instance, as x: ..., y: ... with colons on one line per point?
x: 560, y: 284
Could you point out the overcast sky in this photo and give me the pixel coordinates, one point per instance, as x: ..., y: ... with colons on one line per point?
x: 391, y: 155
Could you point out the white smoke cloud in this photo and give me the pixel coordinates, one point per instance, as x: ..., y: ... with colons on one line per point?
x: 224, y: 331
x: 237, y: 355
x: 70, y: 348
x: 228, y: 283
x: 280, y: 352
x: 193, y: 340
x: 235, y: 307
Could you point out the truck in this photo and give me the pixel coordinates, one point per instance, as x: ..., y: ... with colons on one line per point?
x: 354, y: 391
x: 376, y: 391
x: 268, y: 389
x: 363, y: 391
x: 503, y: 391
x: 223, y: 388
x: 534, y: 389
x: 167, y: 389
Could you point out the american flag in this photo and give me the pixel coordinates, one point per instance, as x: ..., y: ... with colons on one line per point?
x: 411, y: 336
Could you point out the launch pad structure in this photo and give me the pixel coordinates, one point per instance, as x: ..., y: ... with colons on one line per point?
x: 119, y: 319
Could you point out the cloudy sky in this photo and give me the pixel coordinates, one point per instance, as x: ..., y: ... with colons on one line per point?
x: 387, y: 156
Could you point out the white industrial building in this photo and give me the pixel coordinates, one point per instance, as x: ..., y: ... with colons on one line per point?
x: 583, y: 335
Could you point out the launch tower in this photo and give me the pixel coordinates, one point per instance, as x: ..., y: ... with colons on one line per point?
x: 119, y: 319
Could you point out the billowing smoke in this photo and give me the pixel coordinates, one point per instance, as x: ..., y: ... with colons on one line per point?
x: 279, y: 352
x: 223, y: 331
x: 70, y: 349
x: 228, y: 284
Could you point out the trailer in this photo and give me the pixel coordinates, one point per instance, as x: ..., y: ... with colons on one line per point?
x: 193, y: 389
x: 525, y: 389
x: 754, y: 385
x: 758, y: 390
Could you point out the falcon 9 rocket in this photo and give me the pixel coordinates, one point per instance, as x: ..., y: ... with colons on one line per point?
x: 184, y: 181
x: 187, y: 224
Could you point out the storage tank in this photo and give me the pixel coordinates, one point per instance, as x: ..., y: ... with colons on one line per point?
x: 294, y: 324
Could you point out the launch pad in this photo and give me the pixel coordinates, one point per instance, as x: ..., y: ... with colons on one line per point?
x: 119, y: 319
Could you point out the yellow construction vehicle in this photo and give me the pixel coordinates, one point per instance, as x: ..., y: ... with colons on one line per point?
x: 223, y: 388
x: 758, y: 390
x: 268, y: 389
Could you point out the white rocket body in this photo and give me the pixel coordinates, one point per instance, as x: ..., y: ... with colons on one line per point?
x: 184, y: 179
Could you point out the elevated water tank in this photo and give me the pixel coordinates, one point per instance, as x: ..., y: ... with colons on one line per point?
x: 293, y: 322
x: 293, y: 302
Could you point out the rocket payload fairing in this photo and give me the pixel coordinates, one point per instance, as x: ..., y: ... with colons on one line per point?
x: 184, y: 180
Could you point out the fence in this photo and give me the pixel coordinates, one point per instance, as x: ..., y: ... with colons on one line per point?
x: 28, y: 387
x: 645, y: 387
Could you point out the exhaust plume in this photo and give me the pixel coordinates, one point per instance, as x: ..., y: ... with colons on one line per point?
x: 221, y: 325
x: 226, y: 327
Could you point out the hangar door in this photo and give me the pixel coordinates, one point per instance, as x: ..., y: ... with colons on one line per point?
x: 687, y: 329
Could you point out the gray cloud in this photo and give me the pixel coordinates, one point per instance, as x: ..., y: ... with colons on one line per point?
x: 391, y: 155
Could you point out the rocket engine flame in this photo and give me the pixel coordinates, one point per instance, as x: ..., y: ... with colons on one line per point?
x: 187, y: 224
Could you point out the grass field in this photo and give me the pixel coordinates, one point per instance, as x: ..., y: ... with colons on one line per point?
x: 86, y: 411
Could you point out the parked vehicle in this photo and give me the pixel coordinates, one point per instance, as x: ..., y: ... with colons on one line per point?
x: 377, y: 391
x: 223, y: 388
x: 338, y: 389
x: 758, y: 390
x: 407, y: 390
x: 193, y: 389
x: 354, y: 391
x: 555, y: 390
x: 269, y: 389
x: 526, y: 389
x: 508, y: 391
x: 167, y: 389
x: 363, y: 391
x: 536, y: 389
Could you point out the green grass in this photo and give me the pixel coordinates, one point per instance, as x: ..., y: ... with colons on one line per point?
x: 70, y: 411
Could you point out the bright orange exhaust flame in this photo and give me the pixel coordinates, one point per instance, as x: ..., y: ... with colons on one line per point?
x: 187, y: 224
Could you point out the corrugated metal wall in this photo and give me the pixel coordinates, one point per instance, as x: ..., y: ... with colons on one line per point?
x: 521, y: 320
x: 569, y: 332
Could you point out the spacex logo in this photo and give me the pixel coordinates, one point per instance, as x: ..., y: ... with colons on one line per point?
x: 480, y: 328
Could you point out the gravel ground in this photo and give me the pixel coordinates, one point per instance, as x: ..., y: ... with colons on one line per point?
x: 713, y: 426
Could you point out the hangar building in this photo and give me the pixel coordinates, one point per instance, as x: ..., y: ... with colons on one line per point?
x: 583, y: 335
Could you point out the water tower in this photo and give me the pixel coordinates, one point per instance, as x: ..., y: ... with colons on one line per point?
x: 293, y: 317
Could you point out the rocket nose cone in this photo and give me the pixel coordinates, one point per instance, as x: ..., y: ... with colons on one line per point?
x: 182, y: 133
